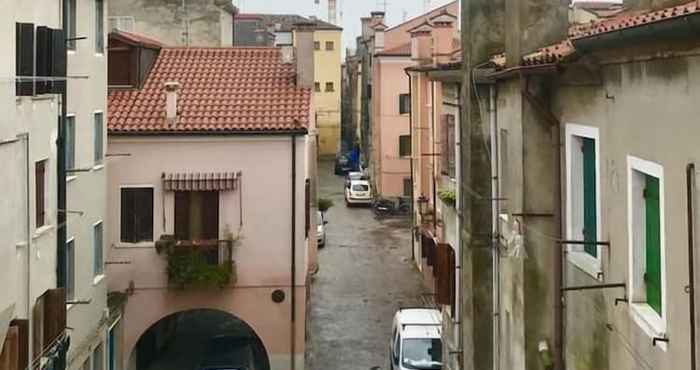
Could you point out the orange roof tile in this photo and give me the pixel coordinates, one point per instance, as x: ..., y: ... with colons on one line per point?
x: 399, y: 51
x: 221, y: 90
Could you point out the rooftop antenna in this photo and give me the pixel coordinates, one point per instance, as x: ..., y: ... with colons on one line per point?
x: 332, y: 11
x: 382, y: 4
x: 405, y: 15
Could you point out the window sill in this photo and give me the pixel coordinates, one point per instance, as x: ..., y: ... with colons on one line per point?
x: 123, y: 245
x: 71, y: 178
x: 98, y: 167
x: 41, y: 231
x: 650, y: 322
x: 69, y: 306
x: 586, y: 263
x: 98, y: 279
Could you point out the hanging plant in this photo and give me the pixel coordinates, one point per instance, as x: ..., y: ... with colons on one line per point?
x: 190, y: 261
x: 324, y: 204
x: 448, y: 197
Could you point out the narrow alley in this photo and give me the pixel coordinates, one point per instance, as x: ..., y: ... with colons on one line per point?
x: 365, y: 275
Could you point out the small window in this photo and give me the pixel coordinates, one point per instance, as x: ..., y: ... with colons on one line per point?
x: 70, y: 22
x: 136, y: 215
x: 317, y: 86
x: 405, y: 145
x: 329, y: 45
x: 99, y: 26
x: 369, y: 91
x: 404, y: 103
x: 98, y: 358
x: 317, y: 45
x: 407, y: 187
x: 40, y: 193
x: 70, y: 270
x: 98, y: 249
x: 99, y: 138
x: 448, y: 147
x: 330, y: 87
x: 70, y: 142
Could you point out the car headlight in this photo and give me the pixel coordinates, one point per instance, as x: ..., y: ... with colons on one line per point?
x: 319, y: 230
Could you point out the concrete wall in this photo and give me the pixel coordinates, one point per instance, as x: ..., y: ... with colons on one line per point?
x: 87, y: 190
x: 201, y: 23
x: 262, y: 258
x: 645, y: 109
x: 327, y: 69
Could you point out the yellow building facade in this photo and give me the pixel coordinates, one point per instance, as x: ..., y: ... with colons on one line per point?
x: 327, y: 58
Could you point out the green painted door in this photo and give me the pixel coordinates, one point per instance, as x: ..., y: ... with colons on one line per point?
x: 652, y: 275
x: 590, y: 222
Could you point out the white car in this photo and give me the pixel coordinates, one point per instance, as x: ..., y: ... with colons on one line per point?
x: 321, y: 229
x: 416, y: 342
x: 358, y: 192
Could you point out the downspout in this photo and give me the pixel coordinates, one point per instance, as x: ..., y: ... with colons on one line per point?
x: 495, y: 228
x: 458, y: 231
x: 690, y: 177
x: 410, y: 130
x: 28, y: 235
x: 432, y: 157
x: 293, y: 266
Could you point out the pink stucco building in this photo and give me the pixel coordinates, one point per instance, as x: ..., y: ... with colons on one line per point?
x: 211, y: 147
x: 391, y: 102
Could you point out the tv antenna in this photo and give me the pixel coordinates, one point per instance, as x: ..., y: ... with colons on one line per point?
x: 382, y: 4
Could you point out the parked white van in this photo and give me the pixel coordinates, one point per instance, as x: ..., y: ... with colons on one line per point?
x: 416, y: 340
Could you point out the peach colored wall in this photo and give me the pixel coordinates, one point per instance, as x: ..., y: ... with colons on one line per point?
x: 398, y: 35
x: 390, y: 82
x: 263, y: 257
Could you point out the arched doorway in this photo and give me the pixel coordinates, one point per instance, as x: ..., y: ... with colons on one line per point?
x: 199, y: 339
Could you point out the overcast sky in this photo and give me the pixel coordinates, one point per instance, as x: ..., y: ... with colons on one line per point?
x: 352, y: 11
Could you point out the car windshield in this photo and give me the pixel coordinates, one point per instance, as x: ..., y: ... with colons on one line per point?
x: 360, y: 187
x: 422, y: 354
x: 355, y: 176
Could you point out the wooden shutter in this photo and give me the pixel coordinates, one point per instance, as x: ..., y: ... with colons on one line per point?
x: 54, y: 315
x: 43, y: 58
x: 652, y: 275
x: 182, y: 215
x: 128, y: 215
x: 24, y: 52
x: 22, y: 326
x: 444, y: 283
x: 590, y: 225
x: 59, y: 64
x: 452, y: 278
x: 9, y: 357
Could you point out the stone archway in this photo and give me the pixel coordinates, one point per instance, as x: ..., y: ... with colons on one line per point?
x: 193, y: 339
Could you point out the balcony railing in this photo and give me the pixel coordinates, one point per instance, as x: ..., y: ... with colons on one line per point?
x: 198, y: 262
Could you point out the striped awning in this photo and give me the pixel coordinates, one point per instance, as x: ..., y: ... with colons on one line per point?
x: 200, y: 181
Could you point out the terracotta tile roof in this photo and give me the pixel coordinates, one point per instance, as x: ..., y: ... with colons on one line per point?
x: 399, y: 51
x: 222, y: 90
x: 286, y: 22
x: 138, y: 39
x: 626, y: 21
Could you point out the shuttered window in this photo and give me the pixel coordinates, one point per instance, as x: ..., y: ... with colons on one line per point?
x: 136, y: 215
x: 330, y: 45
x: 404, y: 103
x: 447, y: 150
x: 24, y: 57
x: 445, y: 275
x: 99, y: 138
x: 40, y: 193
x: 70, y: 142
x: 652, y: 274
x: 99, y: 26
x: 405, y: 145
x: 590, y: 218
x: 98, y: 249
x: 70, y: 23
x: 70, y: 270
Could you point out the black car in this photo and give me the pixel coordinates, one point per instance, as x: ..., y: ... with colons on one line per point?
x: 342, y: 164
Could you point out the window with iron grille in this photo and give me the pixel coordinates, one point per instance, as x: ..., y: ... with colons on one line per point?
x: 330, y: 87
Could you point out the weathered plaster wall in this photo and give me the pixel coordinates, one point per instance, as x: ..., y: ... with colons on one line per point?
x: 166, y: 21
x: 645, y: 109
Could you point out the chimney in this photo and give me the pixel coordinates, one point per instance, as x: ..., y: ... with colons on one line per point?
x: 421, y: 50
x: 377, y: 17
x: 379, y: 36
x: 443, y: 36
x: 304, y: 42
x: 171, y: 89
x: 365, y: 27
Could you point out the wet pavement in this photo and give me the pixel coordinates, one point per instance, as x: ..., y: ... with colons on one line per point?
x: 365, y: 275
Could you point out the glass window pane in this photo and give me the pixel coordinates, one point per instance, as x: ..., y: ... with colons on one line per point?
x: 70, y: 270
x: 99, y: 137
x: 98, y: 250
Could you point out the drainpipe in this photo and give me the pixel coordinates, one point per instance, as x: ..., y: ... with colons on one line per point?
x: 293, y: 261
x: 495, y: 210
x: 28, y: 235
x: 690, y: 177
x: 460, y: 253
x: 410, y: 130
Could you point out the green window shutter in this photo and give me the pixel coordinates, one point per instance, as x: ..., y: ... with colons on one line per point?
x: 652, y: 275
x: 590, y: 217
